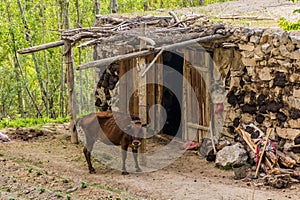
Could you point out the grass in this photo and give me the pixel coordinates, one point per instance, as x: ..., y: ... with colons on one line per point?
x: 83, y: 185
x: 29, y: 122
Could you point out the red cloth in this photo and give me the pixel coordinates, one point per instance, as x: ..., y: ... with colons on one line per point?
x: 219, y: 108
x: 191, y: 145
x: 260, y: 144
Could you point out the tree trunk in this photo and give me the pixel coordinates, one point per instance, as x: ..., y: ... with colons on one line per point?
x: 37, y: 68
x: 201, y: 2
x: 62, y: 69
x: 18, y: 70
x: 17, y: 75
x: 97, y: 7
x: 113, y: 6
x: 70, y: 77
x: 80, y: 58
x: 45, y: 59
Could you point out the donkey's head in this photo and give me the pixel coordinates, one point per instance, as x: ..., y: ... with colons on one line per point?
x: 136, y: 132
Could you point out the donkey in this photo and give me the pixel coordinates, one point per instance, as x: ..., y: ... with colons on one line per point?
x: 110, y: 128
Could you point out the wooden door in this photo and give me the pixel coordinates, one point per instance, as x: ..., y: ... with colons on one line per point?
x: 197, y: 72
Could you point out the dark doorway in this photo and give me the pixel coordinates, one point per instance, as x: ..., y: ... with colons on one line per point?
x: 171, y: 100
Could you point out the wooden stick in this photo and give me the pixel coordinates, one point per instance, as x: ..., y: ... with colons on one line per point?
x: 41, y: 47
x: 248, y: 17
x: 212, y: 138
x: 107, y: 61
x: 263, y: 151
x: 148, y: 40
x: 247, y: 139
x: 176, y: 18
x: 186, y: 20
x: 152, y: 62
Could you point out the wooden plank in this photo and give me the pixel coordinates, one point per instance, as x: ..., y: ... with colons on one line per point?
x: 135, y: 86
x: 184, y: 98
x: 122, y: 87
x: 159, y: 92
x: 188, y: 99
x: 151, y: 93
x: 208, y: 103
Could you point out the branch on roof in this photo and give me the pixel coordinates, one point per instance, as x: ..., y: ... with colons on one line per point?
x: 107, y: 61
x: 41, y: 47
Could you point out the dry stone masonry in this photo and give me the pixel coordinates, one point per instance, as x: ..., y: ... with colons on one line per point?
x: 262, y: 80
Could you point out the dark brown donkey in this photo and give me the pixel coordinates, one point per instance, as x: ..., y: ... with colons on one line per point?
x: 108, y: 128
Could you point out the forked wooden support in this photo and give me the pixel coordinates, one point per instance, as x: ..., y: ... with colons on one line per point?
x: 263, y: 151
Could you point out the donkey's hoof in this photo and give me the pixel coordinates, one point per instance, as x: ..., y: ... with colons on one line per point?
x: 92, y: 171
x: 138, y: 170
x: 125, y: 173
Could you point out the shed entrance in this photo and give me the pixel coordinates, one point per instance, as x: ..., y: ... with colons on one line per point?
x: 182, y: 119
x: 170, y: 101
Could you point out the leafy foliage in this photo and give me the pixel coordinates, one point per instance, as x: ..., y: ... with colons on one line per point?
x: 28, y: 122
x: 287, y: 25
x: 22, y: 96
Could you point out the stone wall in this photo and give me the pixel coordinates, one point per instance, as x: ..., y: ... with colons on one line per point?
x: 261, y: 73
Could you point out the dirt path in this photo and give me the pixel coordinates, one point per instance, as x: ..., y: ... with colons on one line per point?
x: 273, y: 9
x: 48, y: 166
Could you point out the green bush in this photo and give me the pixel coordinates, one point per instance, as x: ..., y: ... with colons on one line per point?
x: 287, y: 25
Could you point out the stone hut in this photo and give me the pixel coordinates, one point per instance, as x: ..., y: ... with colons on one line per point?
x: 230, y: 76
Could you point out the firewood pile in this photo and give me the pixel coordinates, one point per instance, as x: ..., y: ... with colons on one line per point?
x: 105, y: 87
x: 275, y: 160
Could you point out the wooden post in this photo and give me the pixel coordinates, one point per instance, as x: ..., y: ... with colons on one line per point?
x: 151, y: 93
x: 184, y: 98
x: 71, y: 92
x: 188, y: 99
x: 159, y: 95
x: 141, y: 83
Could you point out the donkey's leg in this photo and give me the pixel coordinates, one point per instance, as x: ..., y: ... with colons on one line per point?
x: 135, y: 157
x: 124, y: 156
x: 87, y: 153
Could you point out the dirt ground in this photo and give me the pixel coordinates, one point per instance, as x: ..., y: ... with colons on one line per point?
x: 272, y: 9
x: 45, y: 165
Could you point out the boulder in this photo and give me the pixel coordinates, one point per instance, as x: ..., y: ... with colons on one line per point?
x: 230, y: 155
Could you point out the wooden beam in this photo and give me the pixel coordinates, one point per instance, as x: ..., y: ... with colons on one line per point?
x: 41, y: 47
x: 108, y: 61
x: 197, y: 126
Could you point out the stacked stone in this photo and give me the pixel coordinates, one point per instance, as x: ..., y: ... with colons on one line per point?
x: 264, y: 88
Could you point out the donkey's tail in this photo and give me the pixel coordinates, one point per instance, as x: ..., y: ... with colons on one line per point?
x: 75, y: 125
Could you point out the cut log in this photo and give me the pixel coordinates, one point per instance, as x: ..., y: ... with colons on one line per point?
x: 285, y: 159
